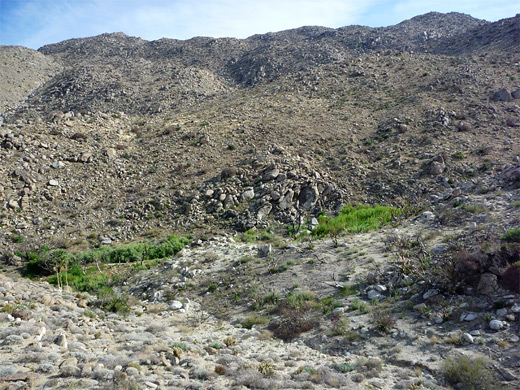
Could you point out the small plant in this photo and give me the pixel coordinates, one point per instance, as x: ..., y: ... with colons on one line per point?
x: 220, y: 370
x: 466, y: 373
x: 340, y: 326
x: 459, y: 155
x: 217, y: 345
x: 254, y: 319
x: 512, y: 235
x: 344, y: 367
x: 181, y: 346
x: 358, y: 304
x: 266, y: 369
x: 383, y: 319
x: 347, y: 290
x: 17, y: 239
x: 230, y: 341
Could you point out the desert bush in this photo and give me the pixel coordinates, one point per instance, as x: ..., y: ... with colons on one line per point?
x: 109, y: 301
x: 512, y: 235
x: 358, y: 304
x: 469, y: 374
x: 266, y: 369
x: 339, y: 326
x: 254, y: 319
x: 383, y: 319
x: 293, y: 322
x: 228, y: 172
x: 510, y: 279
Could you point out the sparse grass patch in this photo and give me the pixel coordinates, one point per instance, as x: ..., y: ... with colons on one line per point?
x: 347, y: 290
x: 466, y: 373
x: 358, y: 304
x: 254, y: 319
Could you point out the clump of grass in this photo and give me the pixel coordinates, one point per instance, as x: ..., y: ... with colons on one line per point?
x: 297, y: 300
x: 340, y: 326
x: 474, y: 208
x: 254, y: 319
x: 356, y: 219
x: 468, y: 374
x: 358, y: 304
x: 347, y: 290
x: 383, y: 319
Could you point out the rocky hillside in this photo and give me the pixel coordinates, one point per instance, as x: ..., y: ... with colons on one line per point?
x: 22, y: 72
x: 111, y: 144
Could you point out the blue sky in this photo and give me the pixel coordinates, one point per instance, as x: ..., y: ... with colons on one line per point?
x: 34, y: 23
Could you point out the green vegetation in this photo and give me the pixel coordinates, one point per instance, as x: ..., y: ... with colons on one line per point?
x: 469, y: 374
x: 512, y: 235
x: 254, y: 319
x: 356, y: 219
x: 46, y: 261
x: 63, y: 268
x: 109, y: 301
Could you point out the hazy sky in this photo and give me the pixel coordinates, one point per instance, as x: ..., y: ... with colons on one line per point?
x: 34, y: 23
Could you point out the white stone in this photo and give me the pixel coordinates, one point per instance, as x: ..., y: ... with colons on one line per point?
x: 338, y: 310
x: 175, y: 305
x: 496, y: 324
x: 516, y: 308
x: 53, y: 183
x: 468, y: 317
x: 475, y: 332
x: 468, y: 338
x: 380, y: 288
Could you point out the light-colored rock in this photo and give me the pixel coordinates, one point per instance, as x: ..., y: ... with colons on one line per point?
x: 496, y: 324
x: 468, y: 317
x: 175, y: 305
x: 264, y: 250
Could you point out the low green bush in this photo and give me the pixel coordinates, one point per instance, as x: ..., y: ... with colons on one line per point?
x: 356, y: 219
x: 109, y: 301
x: 512, y: 235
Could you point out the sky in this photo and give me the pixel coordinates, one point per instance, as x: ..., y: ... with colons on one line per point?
x: 34, y: 23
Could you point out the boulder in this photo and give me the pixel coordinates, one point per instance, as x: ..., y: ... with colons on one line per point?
x: 502, y: 95
x: 308, y: 196
x: 487, y: 284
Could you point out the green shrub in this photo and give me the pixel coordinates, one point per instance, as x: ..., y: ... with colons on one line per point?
x: 297, y: 300
x: 512, y: 235
x: 129, y: 253
x: 344, y: 367
x: 109, y: 301
x: 358, y: 304
x: 179, y: 345
x: 468, y: 374
x: 254, y: 319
